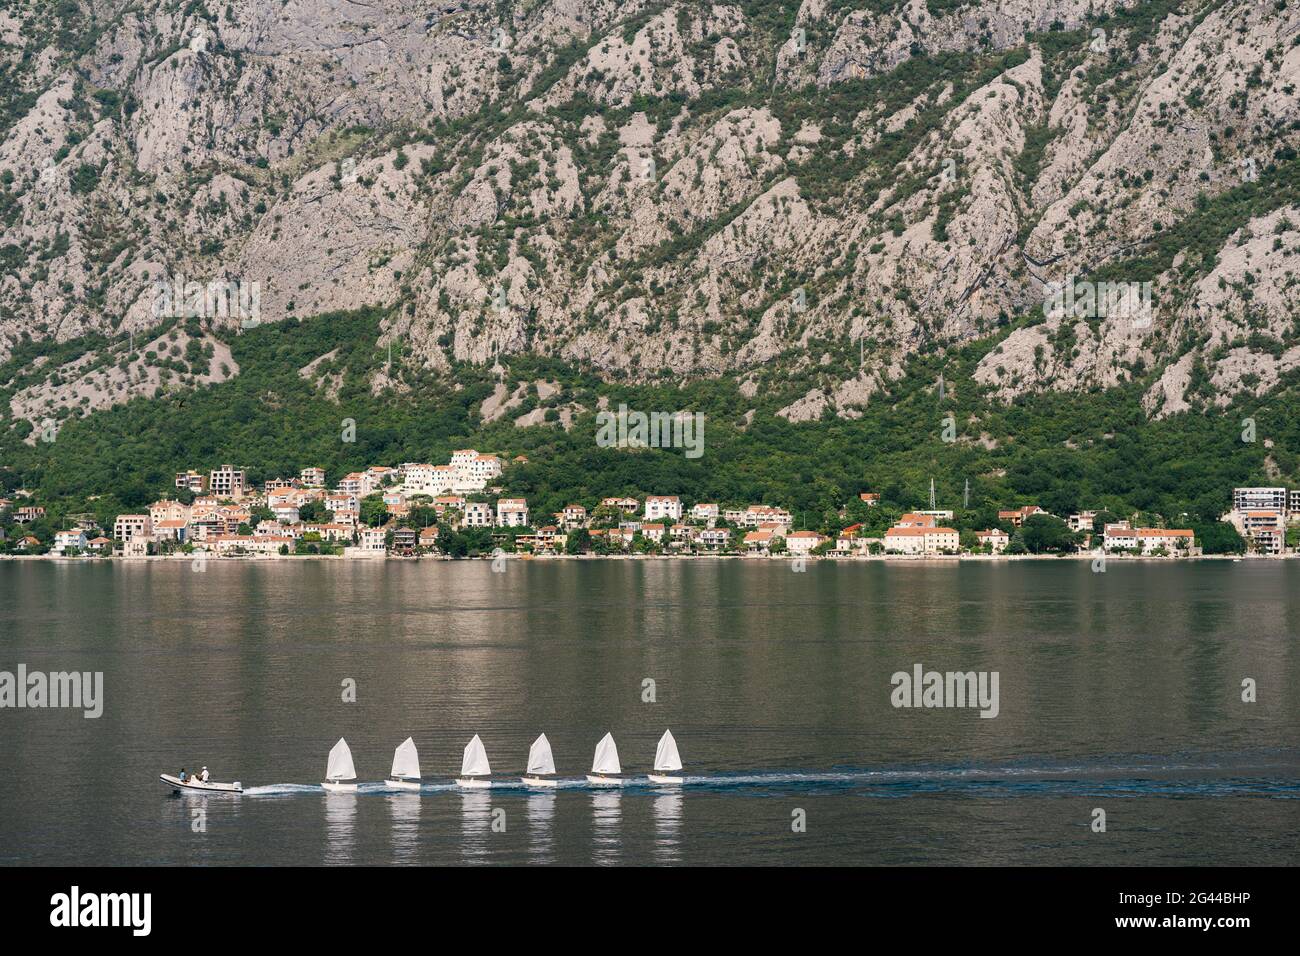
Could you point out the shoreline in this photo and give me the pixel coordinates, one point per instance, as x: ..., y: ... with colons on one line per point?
x: 855, y: 558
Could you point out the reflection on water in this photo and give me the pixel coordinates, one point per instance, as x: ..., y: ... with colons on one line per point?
x: 475, y: 825
x: 340, y: 827
x: 404, y: 809
x: 541, y: 826
x: 668, y: 827
x: 606, y: 822
x: 1124, y: 683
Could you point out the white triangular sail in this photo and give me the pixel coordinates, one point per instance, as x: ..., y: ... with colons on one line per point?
x: 606, y: 760
x: 666, y: 755
x: 340, y: 763
x: 539, y: 756
x: 406, y: 762
x: 475, y: 761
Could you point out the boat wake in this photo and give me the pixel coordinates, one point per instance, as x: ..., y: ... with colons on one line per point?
x: 1156, y: 779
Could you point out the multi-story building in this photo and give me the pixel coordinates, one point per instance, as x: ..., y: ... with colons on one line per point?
x: 472, y: 470
x: 312, y: 477
x: 626, y: 505
x: 659, y: 507
x: 478, y: 514
x: 172, y: 529
x: 1260, y: 499
x: 190, y: 481
x: 713, y: 538
x: 1266, y: 529
x: 342, y: 502
x: 572, y: 516
x: 755, y: 516
x: 1081, y: 521
x: 444, y: 504
x: 68, y: 540
x: 512, y: 513
x: 803, y: 542
x: 706, y: 512
x: 126, y: 527
x: 995, y: 538
x: 921, y: 539
x: 168, y: 510
x: 1170, y: 539
x: 227, y: 482
x: 1119, y: 536
x: 28, y: 514
x: 431, y: 480
x: 354, y: 483
x: 405, y: 539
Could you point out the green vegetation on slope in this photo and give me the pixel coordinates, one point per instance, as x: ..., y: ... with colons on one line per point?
x: 1063, y: 452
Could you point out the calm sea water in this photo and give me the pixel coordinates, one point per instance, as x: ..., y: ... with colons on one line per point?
x: 1119, y: 690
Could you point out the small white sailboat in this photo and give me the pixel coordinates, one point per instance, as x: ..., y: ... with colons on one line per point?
x: 340, y: 774
x: 667, y: 760
x: 474, y: 768
x: 541, y: 764
x: 406, y: 767
x: 605, y: 768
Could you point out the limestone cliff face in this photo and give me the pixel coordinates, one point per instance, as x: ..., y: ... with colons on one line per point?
x: 800, y: 197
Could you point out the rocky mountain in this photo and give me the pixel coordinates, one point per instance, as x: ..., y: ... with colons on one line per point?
x: 798, y: 196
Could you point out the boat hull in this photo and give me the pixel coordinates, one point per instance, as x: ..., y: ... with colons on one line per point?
x: 332, y: 787
x: 402, y: 784
x: 540, y: 781
x: 601, y: 780
x: 473, y: 783
x: 660, y: 778
x: 176, y: 785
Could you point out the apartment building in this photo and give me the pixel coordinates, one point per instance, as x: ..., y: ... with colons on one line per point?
x: 472, y: 470
x: 921, y: 539
x: 191, y: 481
x: 356, y: 483
x: 803, y: 542
x: 478, y: 514
x: 1081, y: 521
x: 127, y: 527
x: 312, y: 477
x: 512, y: 513
x: 706, y: 512
x: 661, y: 507
x: 65, y: 541
x: 573, y: 516
x: 1261, y: 499
x: 227, y: 481
x: 1265, y: 529
x: 756, y: 516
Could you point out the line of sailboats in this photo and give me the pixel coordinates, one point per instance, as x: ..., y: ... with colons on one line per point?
x: 476, y: 771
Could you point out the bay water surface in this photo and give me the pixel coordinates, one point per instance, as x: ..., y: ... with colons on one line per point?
x: 1119, y: 691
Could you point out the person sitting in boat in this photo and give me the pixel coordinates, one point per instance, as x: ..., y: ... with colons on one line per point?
x: 181, y: 776
x: 203, y: 777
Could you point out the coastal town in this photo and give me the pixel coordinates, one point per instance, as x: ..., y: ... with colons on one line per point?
x: 459, y: 509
